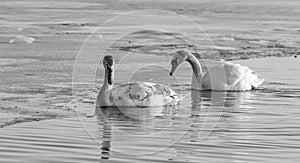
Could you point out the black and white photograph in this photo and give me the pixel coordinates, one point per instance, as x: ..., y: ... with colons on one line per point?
x: 162, y: 81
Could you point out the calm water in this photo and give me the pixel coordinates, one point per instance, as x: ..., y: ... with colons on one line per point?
x: 256, y: 126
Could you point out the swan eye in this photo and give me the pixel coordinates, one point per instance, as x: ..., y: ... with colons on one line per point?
x: 174, y: 62
x: 137, y: 96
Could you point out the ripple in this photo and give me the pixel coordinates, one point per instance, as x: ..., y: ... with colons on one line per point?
x: 255, y: 126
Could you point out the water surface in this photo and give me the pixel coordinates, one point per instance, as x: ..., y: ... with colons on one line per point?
x: 255, y: 126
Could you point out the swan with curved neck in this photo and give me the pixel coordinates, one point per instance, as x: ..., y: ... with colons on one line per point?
x: 139, y: 94
x: 224, y: 77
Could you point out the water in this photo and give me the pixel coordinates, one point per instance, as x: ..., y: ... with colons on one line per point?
x: 256, y: 126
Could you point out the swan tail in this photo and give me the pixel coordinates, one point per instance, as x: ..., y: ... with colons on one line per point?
x: 257, y: 80
x: 171, y: 98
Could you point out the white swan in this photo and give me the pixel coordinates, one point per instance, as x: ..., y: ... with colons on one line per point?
x: 132, y: 94
x: 224, y: 77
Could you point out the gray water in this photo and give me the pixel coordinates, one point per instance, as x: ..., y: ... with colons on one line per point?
x: 255, y: 126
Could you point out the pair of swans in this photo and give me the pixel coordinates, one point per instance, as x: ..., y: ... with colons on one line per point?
x: 224, y: 77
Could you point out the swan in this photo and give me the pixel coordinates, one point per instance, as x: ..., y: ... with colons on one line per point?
x: 224, y: 77
x: 138, y: 94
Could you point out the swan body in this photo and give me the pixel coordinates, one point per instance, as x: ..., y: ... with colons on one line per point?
x: 138, y: 94
x: 226, y: 76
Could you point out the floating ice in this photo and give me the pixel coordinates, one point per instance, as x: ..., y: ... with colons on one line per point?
x: 22, y: 39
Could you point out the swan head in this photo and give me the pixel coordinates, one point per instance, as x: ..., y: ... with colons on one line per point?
x: 108, y: 63
x: 178, y: 58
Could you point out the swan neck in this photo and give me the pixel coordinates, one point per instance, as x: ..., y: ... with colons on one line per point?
x: 197, y: 71
x: 106, y: 85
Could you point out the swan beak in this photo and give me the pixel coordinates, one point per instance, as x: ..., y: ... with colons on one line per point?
x: 109, y: 80
x: 109, y: 70
x: 174, y: 66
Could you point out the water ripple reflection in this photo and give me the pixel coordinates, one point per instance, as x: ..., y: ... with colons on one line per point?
x: 256, y: 126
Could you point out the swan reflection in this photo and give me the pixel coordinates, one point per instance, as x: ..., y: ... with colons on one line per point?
x: 213, y: 108
x: 131, y: 121
x: 197, y: 117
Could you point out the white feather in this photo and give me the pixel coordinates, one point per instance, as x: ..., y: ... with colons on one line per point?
x: 230, y: 76
x: 141, y: 95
